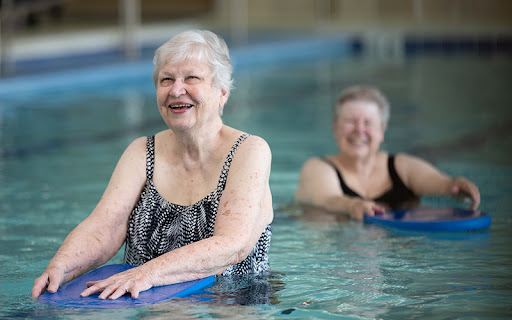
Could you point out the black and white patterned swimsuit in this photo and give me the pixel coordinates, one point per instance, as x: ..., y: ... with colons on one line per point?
x: 157, y: 226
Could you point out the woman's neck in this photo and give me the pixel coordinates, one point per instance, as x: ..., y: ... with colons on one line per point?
x: 359, y: 166
x: 197, y: 145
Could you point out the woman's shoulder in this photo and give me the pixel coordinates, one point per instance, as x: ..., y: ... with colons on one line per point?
x: 318, y: 164
x: 251, y: 143
x: 137, y: 145
x: 317, y: 160
x: 407, y: 165
x: 136, y: 151
x: 254, y: 146
x: 405, y: 159
x: 252, y: 151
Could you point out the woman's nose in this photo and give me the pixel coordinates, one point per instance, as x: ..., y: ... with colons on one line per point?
x: 177, y: 88
x: 360, y: 126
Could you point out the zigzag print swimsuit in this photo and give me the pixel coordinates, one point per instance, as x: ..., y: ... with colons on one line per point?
x: 157, y: 226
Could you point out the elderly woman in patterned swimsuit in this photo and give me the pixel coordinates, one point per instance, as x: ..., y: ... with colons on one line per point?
x: 191, y: 201
x: 361, y: 179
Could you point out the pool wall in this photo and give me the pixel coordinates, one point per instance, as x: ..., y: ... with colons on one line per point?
x: 107, y: 64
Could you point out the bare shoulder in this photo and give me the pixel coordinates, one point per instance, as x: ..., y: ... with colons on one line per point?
x: 415, y: 172
x: 254, y: 147
x: 252, y: 155
x: 138, y: 144
x: 317, y: 182
x: 406, y: 161
x: 316, y: 169
x: 133, y: 160
x: 136, y: 149
x: 257, y: 142
x: 316, y: 164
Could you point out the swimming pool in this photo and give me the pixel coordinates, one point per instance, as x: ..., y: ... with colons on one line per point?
x: 61, y: 136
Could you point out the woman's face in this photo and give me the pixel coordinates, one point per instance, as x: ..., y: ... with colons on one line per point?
x: 186, y: 96
x: 359, y: 130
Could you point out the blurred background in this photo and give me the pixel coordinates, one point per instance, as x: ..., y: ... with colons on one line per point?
x: 76, y: 89
x: 36, y: 33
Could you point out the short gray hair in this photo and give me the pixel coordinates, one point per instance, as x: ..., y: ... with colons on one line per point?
x: 363, y: 93
x: 197, y: 45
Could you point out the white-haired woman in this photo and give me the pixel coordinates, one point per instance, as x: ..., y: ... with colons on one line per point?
x: 361, y: 179
x: 170, y: 198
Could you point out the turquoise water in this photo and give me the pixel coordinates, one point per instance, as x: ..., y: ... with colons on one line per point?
x: 60, y: 141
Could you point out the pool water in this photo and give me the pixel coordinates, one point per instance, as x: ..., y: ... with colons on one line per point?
x: 59, y: 146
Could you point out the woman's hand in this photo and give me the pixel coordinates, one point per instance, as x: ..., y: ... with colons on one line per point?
x: 462, y: 188
x: 358, y: 208
x: 131, y: 281
x: 50, y: 280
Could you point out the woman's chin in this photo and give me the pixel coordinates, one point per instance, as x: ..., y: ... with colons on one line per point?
x: 358, y: 154
x: 177, y: 125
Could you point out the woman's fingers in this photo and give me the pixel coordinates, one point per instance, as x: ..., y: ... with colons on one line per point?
x: 120, y: 291
x: 93, y: 288
x: 103, y: 286
x: 131, y: 281
x: 50, y: 281
x: 55, y: 282
x: 40, y: 285
x: 113, y: 291
x: 463, y: 188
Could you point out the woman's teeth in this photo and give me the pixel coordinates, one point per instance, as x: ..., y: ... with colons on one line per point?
x: 180, y: 106
x: 358, y: 141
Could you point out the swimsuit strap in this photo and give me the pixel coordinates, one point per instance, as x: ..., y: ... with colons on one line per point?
x: 395, y: 178
x: 227, y: 163
x: 346, y: 190
x: 150, y: 157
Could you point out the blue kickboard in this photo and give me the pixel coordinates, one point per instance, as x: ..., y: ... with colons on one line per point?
x: 68, y: 294
x: 432, y: 219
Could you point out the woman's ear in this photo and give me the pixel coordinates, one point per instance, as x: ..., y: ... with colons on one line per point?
x: 224, y: 94
x: 383, y: 132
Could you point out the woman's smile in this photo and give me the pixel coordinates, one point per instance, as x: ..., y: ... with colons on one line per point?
x: 179, y: 108
x: 357, y: 140
x: 359, y: 128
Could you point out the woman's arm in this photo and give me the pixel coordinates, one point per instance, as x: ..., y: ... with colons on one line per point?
x: 319, y: 186
x: 244, y: 210
x: 98, y: 238
x: 424, y: 179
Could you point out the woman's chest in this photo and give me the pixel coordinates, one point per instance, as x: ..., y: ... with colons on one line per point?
x: 185, y: 187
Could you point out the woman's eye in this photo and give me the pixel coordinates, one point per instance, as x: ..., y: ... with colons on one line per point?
x: 166, y: 81
x: 370, y: 123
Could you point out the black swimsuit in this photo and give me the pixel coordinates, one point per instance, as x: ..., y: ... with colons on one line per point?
x: 398, y: 197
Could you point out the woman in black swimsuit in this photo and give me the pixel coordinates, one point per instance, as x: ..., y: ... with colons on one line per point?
x: 361, y: 179
x: 189, y: 202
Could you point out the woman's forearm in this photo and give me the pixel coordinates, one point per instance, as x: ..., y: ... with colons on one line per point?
x: 197, y: 260
x: 338, y: 204
x: 82, y: 251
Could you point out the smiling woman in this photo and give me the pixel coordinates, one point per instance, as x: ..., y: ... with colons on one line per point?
x: 185, y: 92
x: 361, y: 180
x: 170, y: 197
